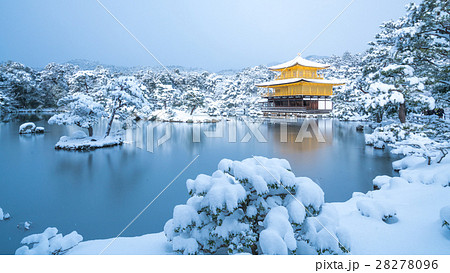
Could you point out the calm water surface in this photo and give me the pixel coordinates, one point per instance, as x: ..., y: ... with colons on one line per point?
x: 98, y: 193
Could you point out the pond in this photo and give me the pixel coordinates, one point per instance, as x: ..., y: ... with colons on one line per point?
x: 98, y: 193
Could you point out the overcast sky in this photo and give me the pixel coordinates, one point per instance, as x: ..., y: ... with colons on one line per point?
x: 208, y: 34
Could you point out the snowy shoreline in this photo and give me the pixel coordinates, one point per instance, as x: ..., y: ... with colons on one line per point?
x: 414, y: 202
x: 418, y: 230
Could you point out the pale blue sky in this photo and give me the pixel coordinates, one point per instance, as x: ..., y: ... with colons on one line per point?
x: 209, y: 34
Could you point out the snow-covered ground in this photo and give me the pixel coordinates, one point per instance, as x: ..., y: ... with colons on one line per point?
x: 79, y: 141
x: 416, y: 227
x: 152, y: 244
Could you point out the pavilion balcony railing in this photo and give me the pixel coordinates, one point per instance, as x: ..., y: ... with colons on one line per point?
x: 291, y: 75
x: 298, y: 93
x: 292, y: 109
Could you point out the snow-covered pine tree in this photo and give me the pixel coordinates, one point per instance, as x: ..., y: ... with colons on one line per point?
x: 81, y: 110
x: 193, y: 99
x: 411, y: 54
x: 257, y: 206
x: 124, y: 97
x: 53, y: 80
x: 427, y: 40
x: 346, y: 98
x: 20, y: 85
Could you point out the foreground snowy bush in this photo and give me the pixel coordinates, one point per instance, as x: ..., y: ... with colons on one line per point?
x: 49, y: 242
x: 258, y: 206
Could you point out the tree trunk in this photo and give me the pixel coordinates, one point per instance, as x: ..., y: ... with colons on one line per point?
x: 402, y: 112
x: 254, y: 249
x: 193, y: 108
x: 90, y: 131
x: 111, y: 119
x: 379, y: 117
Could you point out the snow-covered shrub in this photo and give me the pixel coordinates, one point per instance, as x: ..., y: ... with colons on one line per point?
x: 4, y: 215
x: 27, y: 128
x: 49, y: 242
x: 256, y: 205
x: 393, y: 132
x: 81, y: 110
x: 407, y: 162
x: 39, y: 130
x: 79, y: 135
x: 373, y: 209
x: 123, y: 97
x: 380, y: 181
x: 445, y: 216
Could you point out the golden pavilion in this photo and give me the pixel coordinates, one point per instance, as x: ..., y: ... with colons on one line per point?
x: 299, y: 88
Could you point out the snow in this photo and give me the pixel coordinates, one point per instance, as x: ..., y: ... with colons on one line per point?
x: 297, y: 212
x: 298, y: 60
x: 186, y: 245
x: 184, y: 215
x: 149, y: 244
x: 39, y: 130
x: 417, y: 230
x: 80, y: 109
x: 397, y: 97
x: 278, y: 235
x: 374, y: 209
x: 407, y: 162
x: 295, y: 80
x: 78, y: 142
x: 231, y: 225
x: 78, y: 135
x: 224, y: 193
x: 4, y: 215
x: 445, y: 216
x: 380, y: 181
x: 27, y: 225
x: 272, y: 243
x: 49, y: 242
x: 171, y: 115
x: 27, y: 128
x: 310, y: 194
x: 379, y: 86
x: 425, y: 174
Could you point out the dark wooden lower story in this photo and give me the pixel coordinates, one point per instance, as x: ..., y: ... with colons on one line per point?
x: 297, y: 105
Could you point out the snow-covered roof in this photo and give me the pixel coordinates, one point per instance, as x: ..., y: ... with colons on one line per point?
x: 262, y: 100
x: 299, y: 61
x: 296, y: 80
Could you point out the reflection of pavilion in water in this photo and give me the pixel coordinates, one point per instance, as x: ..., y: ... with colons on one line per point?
x: 302, y: 135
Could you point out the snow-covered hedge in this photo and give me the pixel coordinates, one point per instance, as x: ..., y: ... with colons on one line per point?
x: 49, y: 242
x: 392, y: 133
x: 257, y: 206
